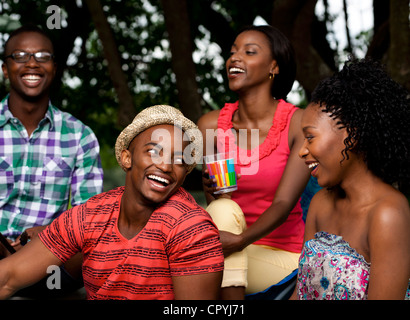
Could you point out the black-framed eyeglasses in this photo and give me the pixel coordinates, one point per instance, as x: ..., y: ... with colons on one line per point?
x: 22, y: 56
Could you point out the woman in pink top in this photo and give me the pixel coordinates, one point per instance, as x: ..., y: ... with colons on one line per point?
x: 262, y: 228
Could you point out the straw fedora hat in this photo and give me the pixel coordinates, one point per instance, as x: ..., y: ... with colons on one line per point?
x: 157, y: 115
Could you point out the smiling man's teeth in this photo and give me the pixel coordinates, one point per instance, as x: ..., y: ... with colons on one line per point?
x: 31, y: 77
x: 236, y: 70
x: 313, y: 165
x: 163, y: 180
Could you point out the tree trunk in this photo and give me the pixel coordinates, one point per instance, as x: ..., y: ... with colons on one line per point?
x: 346, y: 16
x: 77, y: 26
x: 126, y: 110
x: 380, y: 42
x: 295, y: 19
x: 178, y: 28
x: 399, y: 50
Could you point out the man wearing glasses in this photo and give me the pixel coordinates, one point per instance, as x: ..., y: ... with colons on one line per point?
x: 47, y: 156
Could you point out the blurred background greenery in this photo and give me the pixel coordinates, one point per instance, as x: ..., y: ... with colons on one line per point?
x: 117, y: 57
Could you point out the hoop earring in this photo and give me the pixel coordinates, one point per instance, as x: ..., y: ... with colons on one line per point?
x: 271, y: 76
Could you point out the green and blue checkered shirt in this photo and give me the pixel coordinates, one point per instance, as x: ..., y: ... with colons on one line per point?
x: 37, y: 173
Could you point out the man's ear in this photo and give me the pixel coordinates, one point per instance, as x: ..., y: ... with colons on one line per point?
x: 5, y: 71
x: 126, y: 159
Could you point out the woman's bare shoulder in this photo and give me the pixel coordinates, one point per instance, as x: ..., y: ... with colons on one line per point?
x: 391, y: 212
x: 209, y: 120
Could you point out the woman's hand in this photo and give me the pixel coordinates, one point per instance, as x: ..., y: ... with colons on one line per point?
x: 210, y: 189
x: 209, y: 184
x: 231, y: 242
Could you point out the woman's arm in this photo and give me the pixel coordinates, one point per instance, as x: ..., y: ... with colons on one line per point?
x: 291, y: 186
x: 389, y: 245
x: 25, y: 267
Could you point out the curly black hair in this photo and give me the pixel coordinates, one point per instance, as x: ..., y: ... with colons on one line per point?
x: 375, y: 110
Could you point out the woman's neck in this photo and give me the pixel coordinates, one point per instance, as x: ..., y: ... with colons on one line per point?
x: 256, y: 108
x: 361, y: 185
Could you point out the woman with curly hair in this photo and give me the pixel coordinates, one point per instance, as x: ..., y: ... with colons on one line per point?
x: 357, y: 145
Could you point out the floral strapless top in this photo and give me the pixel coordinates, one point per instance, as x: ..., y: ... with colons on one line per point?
x: 330, y: 269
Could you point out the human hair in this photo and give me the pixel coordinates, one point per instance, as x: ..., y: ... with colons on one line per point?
x: 24, y: 29
x: 284, y: 54
x: 375, y: 111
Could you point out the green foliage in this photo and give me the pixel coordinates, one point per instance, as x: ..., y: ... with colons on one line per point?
x: 83, y: 86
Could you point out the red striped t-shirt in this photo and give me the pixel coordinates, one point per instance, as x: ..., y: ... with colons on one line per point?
x: 179, y: 239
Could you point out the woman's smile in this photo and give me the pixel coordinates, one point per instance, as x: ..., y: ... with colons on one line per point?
x: 323, y: 146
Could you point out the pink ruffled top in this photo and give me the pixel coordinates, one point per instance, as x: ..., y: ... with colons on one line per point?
x: 262, y: 167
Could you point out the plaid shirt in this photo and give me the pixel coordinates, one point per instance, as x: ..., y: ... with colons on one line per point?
x: 38, y: 172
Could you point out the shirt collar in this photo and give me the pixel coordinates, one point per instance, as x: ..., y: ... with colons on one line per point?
x: 6, y: 115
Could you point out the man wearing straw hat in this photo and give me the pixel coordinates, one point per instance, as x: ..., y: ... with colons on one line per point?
x: 146, y: 240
